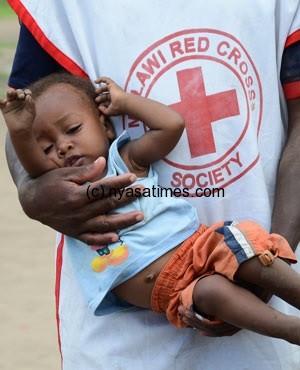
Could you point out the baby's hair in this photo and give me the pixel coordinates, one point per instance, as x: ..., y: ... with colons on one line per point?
x: 82, y: 85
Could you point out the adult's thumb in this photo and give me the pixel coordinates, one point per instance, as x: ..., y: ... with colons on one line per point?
x: 89, y: 172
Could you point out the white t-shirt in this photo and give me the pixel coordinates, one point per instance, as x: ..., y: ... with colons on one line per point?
x: 218, y: 63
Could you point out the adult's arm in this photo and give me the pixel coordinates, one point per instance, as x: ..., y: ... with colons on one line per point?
x: 62, y: 200
x: 59, y: 198
x: 286, y: 212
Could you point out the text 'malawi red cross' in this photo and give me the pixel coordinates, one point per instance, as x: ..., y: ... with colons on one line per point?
x: 200, y: 110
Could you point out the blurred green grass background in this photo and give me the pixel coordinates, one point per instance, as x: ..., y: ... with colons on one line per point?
x: 8, y: 20
x: 5, y: 10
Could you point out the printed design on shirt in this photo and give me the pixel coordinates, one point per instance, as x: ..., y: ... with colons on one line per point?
x: 212, y: 81
x: 107, y: 257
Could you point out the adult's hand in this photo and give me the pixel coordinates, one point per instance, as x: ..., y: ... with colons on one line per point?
x: 62, y: 200
x: 217, y: 329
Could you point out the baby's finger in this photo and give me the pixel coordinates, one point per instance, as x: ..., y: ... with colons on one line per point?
x: 29, y: 101
x: 10, y: 94
x: 104, y: 109
x: 102, y: 89
x: 103, y: 79
x: 28, y: 98
x: 30, y: 104
x: 20, y: 94
x: 3, y: 103
x: 27, y: 92
x: 103, y: 98
x: 98, y: 80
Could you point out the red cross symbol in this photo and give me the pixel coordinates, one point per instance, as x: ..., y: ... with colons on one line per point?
x: 200, y: 110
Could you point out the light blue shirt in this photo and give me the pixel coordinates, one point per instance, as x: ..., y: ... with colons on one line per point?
x: 168, y: 221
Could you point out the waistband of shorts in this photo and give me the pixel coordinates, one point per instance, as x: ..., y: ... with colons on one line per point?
x: 171, y: 272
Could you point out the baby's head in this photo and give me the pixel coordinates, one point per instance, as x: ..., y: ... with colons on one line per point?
x: 68, y: 125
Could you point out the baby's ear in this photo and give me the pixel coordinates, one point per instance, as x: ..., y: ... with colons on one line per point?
x: 109, y: 127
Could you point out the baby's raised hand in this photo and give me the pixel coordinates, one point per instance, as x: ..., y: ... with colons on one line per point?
x: 110, y: 97
x: 18, y: 109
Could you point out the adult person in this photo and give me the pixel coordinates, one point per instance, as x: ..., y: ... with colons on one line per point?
x: 55, y: 123
x: 209, y: 54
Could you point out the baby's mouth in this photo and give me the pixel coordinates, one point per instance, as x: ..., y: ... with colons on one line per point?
x: 73, y: 161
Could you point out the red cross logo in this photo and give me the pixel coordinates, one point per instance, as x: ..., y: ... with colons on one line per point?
x: 200, y: 111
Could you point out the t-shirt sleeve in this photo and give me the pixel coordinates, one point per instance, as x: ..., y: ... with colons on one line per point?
x: 290, y: 66
x: 290, y: 71
x: 31, y: 61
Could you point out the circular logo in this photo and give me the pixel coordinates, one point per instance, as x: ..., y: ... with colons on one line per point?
x: 210, y: 79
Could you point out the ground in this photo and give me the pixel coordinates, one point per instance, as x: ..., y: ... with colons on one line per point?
x: 28, y: 338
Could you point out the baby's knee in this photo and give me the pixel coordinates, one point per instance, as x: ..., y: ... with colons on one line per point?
x: 207, y: 292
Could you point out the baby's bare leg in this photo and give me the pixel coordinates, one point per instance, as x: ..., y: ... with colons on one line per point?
x: 216, y: 296
x: 279, y: 278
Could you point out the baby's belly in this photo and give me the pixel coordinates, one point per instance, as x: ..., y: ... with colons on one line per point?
x: 138, y: 289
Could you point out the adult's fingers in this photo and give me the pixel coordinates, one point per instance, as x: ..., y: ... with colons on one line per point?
x: 210, y: 329
x: 98, y: 239
x: 89, y: 205
x: 60, y: 200
x: 114, y: 187
x: 104, y: 229
x: 84, y: 174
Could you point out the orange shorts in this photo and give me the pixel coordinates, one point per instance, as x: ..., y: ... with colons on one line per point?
x: 220, y: 249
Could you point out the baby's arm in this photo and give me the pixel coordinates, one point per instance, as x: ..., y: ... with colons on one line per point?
x: 18, y: 109
x: 165, y: 124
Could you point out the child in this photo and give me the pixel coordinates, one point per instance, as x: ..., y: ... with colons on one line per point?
x: 167, y: 259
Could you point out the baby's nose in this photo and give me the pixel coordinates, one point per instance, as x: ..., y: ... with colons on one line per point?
x: 63, y: 148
